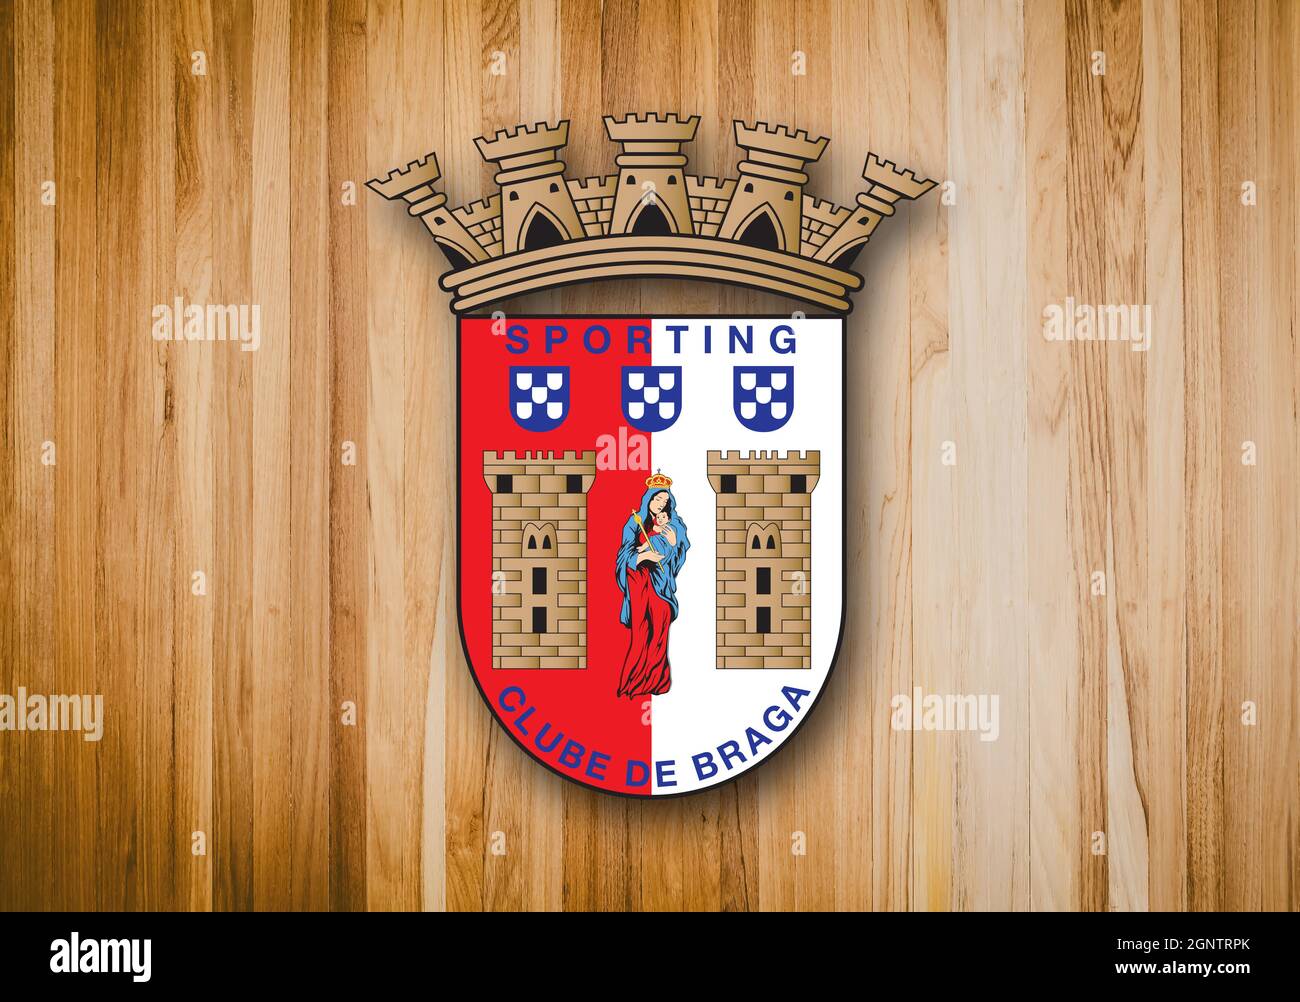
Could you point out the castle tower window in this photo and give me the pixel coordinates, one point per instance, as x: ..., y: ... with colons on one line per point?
x: 672, y: 179
x: 514, y: 196
x: 763, y: 581
x: 728, y: 483
x: 845, y: 259
x: 542, y: 233
x: 789, y: 196
x: 651, y: 222
x: 554, y: 187
x: 532, y: 541
x: 771, y: 542
x: 539, y: 619
x: 761, y: 233
x: 798, y: 483
x: 539, y: 584
x: 762, y: 619
x: 505, y: 483
x: 453, y: 255
x: 753, y: 543
x: 631, y: 179
x: 749, y: 188
x: 573, y: 483
x: 546, y: 542
x: 439, y: 220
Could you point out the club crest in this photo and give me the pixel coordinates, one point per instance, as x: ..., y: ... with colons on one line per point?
x: 651, y: 522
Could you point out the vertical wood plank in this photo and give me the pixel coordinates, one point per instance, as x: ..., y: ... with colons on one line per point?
x: 126, y: 431
x: 1055, y: 828
x: 271, y: 461
x: 1275, y: 667
x: 1127, y: 652
x: 390, y: 782
x: 230, y: 582
x: 1205, y: 460
x: 1089, y: 529
x: 76, y: 393
x: 470, y: 732
x: 33, y: 417
x: 930, y: 367
x: 349, y: 423
x: 1165, y: 754
x: 312, y: 453
x: 194, y: 203
x: 11, y: 840
x: 432, y: 641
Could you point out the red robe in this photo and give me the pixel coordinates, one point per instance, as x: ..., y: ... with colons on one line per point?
x: 645, y: 666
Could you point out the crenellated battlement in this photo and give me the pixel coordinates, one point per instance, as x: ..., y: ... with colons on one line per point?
x: 651, y: 128
x: 794, y: 143
x: 903, y: 183
x: 522, y: 140
x: 401, y: 181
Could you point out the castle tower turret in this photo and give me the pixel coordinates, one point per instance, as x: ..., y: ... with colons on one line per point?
x: 414, y: 185
x: 767, y: 207
x: 536, y: 208
x: 650, y: 199
x: 888, y: 185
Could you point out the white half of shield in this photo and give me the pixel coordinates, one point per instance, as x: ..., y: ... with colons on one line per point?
x: 708, y: 706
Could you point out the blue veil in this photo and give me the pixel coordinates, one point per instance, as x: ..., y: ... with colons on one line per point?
x: 663, y: 575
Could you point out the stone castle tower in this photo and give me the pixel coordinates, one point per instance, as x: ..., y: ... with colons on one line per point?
x: 536, y: 208
x: 650, y: 190
x: 764, y: 556
x: 766, y: 208
x: 539, y: 558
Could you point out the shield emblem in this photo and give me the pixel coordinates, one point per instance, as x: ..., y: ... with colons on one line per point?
x: 539, y: 396
x: 763, y: 395
x: 652, y: 396
x: 651, y: 538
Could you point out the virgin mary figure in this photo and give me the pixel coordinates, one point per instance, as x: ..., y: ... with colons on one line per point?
x: 651, y: 555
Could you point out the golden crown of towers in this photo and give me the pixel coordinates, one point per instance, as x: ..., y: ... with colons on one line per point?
x: 650, y: 219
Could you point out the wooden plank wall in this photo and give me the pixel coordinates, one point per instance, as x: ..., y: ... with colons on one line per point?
x: 1114, y: 552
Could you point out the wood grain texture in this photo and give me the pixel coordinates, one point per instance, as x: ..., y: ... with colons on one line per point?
x: 1115, y: 552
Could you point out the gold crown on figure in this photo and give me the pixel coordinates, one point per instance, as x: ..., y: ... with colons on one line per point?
x: 542, y: 230
x: 658, y: 481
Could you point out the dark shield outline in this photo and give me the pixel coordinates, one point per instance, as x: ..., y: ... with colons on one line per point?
x: 844, y: 500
